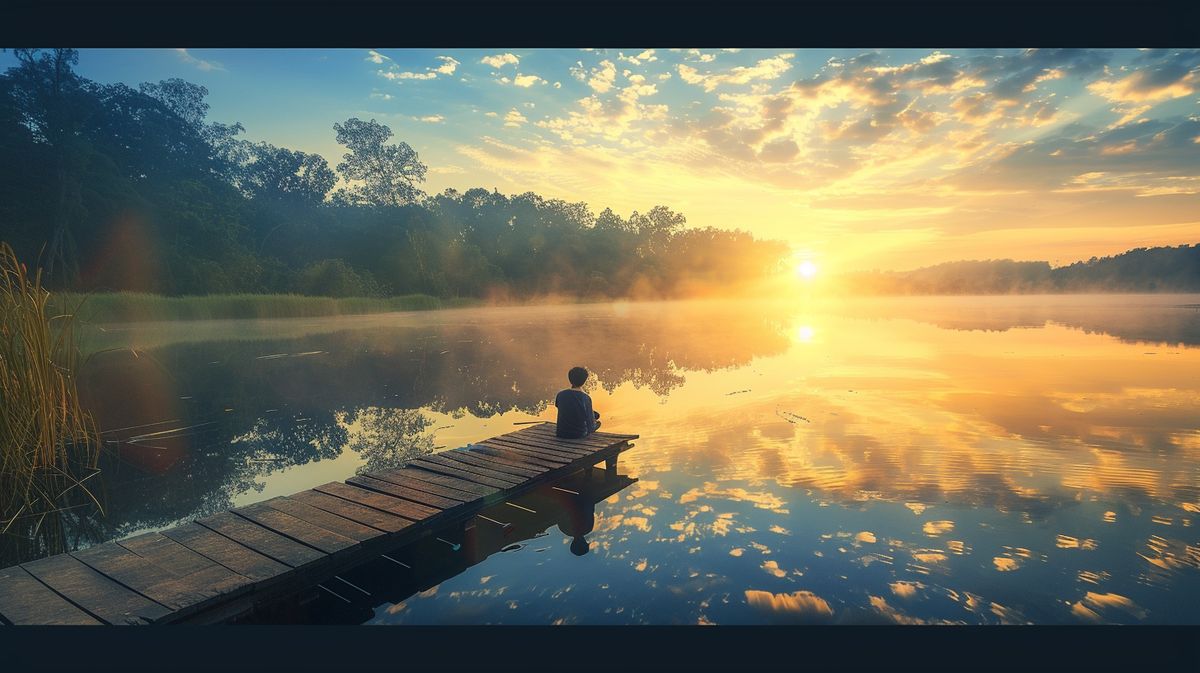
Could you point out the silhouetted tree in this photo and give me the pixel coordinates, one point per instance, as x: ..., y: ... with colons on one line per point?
x: 139, y: 189
x: 52, y: 103
x: 379, y: 174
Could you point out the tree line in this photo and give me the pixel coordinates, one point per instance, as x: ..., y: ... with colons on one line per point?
x: 1162, y: 269
x: 111, y: 187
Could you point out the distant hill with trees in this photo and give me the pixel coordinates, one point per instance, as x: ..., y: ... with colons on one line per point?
x: 110, y: 187
x: 1164, y: 269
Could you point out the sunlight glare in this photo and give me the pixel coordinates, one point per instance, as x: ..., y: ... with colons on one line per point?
x: 806, y: 269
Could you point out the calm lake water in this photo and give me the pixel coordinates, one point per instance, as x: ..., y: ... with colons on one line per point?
x: 923, y: 460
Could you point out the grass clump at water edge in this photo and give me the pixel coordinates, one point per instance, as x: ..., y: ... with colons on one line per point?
x: 141, y: 307
x: 49, y: 445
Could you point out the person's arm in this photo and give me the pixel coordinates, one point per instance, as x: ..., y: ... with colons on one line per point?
x: 588, y: 415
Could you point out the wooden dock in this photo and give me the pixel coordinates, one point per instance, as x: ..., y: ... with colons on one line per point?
x: 355, y: 596
x: 223, y: 566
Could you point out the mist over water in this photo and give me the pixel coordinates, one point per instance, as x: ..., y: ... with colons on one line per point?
x: 954, y: 459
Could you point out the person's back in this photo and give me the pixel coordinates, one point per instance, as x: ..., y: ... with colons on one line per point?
x: 576, y: 418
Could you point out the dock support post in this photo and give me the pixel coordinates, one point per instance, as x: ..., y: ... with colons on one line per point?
x: 610, y: 466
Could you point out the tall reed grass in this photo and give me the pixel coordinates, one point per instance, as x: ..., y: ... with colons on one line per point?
x: 139, y: 307
x: 49, y: 445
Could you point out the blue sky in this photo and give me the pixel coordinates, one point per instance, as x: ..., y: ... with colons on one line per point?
x: 859, y: 158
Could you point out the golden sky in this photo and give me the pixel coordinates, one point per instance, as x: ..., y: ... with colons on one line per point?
x: 859, y: 158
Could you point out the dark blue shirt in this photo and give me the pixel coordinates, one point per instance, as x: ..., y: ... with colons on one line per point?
x: 575, y: 417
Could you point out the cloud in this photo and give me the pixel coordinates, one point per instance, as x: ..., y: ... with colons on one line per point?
x: 1170, y: 77
x: 431, y: 119
x: 447, y: 67
x: 603, y: 77
x: 1013, y: 76
x: 527, y: 81
x: 612, y: 117
x: 500, y: 60
x: 1148, y: 153
x: 200, y: 63
x: 376, y: 57
x: 408, y: 75
x: 779, y: 150
x: 697, y: 55
x: 646, y: 56
x: 514, y: 118
x: 940, y: 141
x: 765, y: 69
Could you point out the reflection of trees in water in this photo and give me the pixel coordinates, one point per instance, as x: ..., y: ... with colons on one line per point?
x: 388, y: 437
x: 269, y: 414
x: 292, y: 441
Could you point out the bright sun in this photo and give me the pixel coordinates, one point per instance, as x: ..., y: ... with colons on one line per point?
x: 806, y: 269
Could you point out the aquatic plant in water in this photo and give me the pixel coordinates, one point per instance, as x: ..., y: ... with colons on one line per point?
x: 49, y: 445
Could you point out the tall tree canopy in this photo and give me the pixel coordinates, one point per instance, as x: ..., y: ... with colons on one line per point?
x: 378, y: 174
x: 125, y: 188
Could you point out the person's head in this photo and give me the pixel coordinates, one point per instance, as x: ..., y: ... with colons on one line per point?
x: 579, y: 546
x: 577, y: 376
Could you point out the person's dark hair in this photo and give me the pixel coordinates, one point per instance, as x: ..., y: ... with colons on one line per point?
x: 577, y: 376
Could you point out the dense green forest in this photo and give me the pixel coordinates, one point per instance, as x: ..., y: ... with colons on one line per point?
x: 1140, y: 270
x: 115, y: 188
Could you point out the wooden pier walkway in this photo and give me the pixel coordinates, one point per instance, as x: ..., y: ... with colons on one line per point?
x: 224, y: 565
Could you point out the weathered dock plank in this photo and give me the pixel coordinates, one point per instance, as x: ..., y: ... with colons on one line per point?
x: 327, y: 520
x: 368, y: 516
x: 446, y: 461
x: 230, y: 554
x: 543, y: 447
x: 223, y: 565
x: 118, y: 563
x: 104, y: 598
x: 516, y: 458
x: 393, y: 505
x: 262, y: 540
x: 184, y: 563
x: 437, y: 467
x: 420, y: 497
x: 526, y: 452
x: 299, y: 530
x: 402, y: 477
x: 24, y: 601
x: 543, y: 444
x: 497, y: 464
x: 445, y: 480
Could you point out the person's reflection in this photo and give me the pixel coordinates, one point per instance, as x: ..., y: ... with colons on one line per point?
x: 577, y: 519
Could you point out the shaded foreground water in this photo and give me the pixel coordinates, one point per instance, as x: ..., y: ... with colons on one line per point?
x: 976, y: 460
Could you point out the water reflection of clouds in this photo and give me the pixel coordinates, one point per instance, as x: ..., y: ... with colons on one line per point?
x: 1096, y: 606
x: 941, y: 430
x: 896, y: 433
x: 796, y: 603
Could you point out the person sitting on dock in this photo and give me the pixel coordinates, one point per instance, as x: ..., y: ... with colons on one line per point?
x: 575, y: 416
